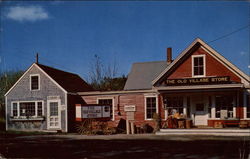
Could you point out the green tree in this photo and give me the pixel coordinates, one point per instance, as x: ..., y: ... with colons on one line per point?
x: 7, y: 80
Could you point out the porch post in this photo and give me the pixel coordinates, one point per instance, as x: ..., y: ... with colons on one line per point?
x: 185, y: 105
x: 213, y: 107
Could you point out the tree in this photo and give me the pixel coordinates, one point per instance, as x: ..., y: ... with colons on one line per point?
x: 7, y: 80
x: 105, y: 78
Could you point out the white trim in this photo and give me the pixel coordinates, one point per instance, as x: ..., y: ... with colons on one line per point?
x: 18, y: 107
x: 113, y: 104
x: 6, y: 114
x: 33, y: 75
x: 115, y: 92
x: 200, y: 87
x: 59, y: 113
x: 212, y: 52
x: 204, y: 65
x: 145, y: 104
x: 34, y: 64
x: 20, y: 79
x: 66, y: 112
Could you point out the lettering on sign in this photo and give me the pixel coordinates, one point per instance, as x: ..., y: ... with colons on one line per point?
x: 95, y: 111
x: 129, y: 108
x: 196, y: 81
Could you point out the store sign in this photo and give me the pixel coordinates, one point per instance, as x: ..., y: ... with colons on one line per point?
x: 98, y: 111
x: 129, y: 108
x: 198, y: 81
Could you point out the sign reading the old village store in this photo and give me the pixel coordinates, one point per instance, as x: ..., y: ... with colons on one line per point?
x: 198, y: 81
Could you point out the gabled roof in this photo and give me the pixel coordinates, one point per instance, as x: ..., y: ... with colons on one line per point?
x: 69, y: 81
x: 142, y: 74
x: 212, y: 52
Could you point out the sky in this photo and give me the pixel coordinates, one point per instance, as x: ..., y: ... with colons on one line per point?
x: 68, y: 34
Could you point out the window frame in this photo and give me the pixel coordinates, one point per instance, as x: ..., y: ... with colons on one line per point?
x: 233, y: 111
x: 18, y: 109
x: 113, y: 105
x: 204, y: 65
x: 33, y: 75
x: 145, y: 105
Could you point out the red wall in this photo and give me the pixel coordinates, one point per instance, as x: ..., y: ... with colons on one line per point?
x: 213, y: 67
x: 126, y: 99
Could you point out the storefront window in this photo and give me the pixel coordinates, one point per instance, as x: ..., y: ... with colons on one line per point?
x: 209, y: 106
x: 224, y: 107
x: 248, y: 106
x: 174, y: 105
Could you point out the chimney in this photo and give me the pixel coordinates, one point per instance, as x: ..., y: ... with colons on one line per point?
x: 37, y: 58
x: 169, y: 55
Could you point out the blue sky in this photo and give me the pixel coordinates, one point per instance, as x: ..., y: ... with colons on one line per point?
x: 67, y: 35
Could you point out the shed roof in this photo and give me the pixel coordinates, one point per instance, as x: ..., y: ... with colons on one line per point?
x: 69, y: 81
x: 142, y: 74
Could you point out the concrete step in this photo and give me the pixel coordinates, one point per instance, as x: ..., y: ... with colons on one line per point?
x: 216, y: 132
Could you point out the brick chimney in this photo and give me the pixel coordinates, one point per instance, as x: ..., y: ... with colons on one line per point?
x: 169, y: 55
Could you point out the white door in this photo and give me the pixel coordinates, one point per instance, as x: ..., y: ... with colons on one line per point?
x: 54, y: 120
x: 200, y: 115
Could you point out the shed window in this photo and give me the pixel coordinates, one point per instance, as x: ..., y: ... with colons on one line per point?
x: 14, y: 109
x: 150, y: 107
x: 34, y: 82
x: 27, y: 109
x: 107, y: 102
x: 198, y: 66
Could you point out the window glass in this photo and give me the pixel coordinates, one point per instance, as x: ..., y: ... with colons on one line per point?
x: 39, y: 109
x: 53, y: 108
x: 175, y: 105
x: 27, y: 109
x: 198, y: 66
x: 34, y: 82
x: 107, y: 102
x: 151, y: 107
x: 224, y: 104
x: 14, y: 109
x: 248, y: 106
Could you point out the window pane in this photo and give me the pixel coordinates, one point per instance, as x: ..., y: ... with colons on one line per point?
x: 53, y: 109
x: 107, y: 102
x: 39, y: 109
x: 196, y: 71
x: 195, y: 61
x: 14, y: 109
x: 201, y: 71
x: 200, y: 60
x: 34, y: 82
x: 151, y: 107
x: 27, y: 109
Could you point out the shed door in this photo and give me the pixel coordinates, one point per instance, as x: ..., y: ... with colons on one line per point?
x: 54, y: 121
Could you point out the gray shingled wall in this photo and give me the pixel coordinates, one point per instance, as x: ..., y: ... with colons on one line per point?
x: 21, y: 92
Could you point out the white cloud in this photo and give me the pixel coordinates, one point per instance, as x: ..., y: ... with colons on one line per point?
x: 248, y: 66
x: 27, y: 13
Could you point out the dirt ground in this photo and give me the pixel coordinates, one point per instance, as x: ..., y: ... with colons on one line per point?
x: 123, y: 146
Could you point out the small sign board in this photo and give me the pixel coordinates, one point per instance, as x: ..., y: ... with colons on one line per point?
x: 92, y: 111
x: 129, y: 108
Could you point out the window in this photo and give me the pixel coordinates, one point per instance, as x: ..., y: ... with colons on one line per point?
x: 150, y: 107
x: 39, y: 109
x: 209, y: 106
x: 53, y: 108
x: 188, y: 107
x: 248, y: 106
x: 198, y: 65
x: 27, y: 109
x: 224, y: 107
x: 107, y: 102
x: 14, y: 109
x: 175, y: 105
x: 34, y: 82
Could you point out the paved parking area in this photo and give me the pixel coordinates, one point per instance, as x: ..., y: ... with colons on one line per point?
x: 123, y: 146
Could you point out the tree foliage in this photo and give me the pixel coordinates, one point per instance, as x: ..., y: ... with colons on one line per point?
x: 104, y: 78
x: 7, y: 80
